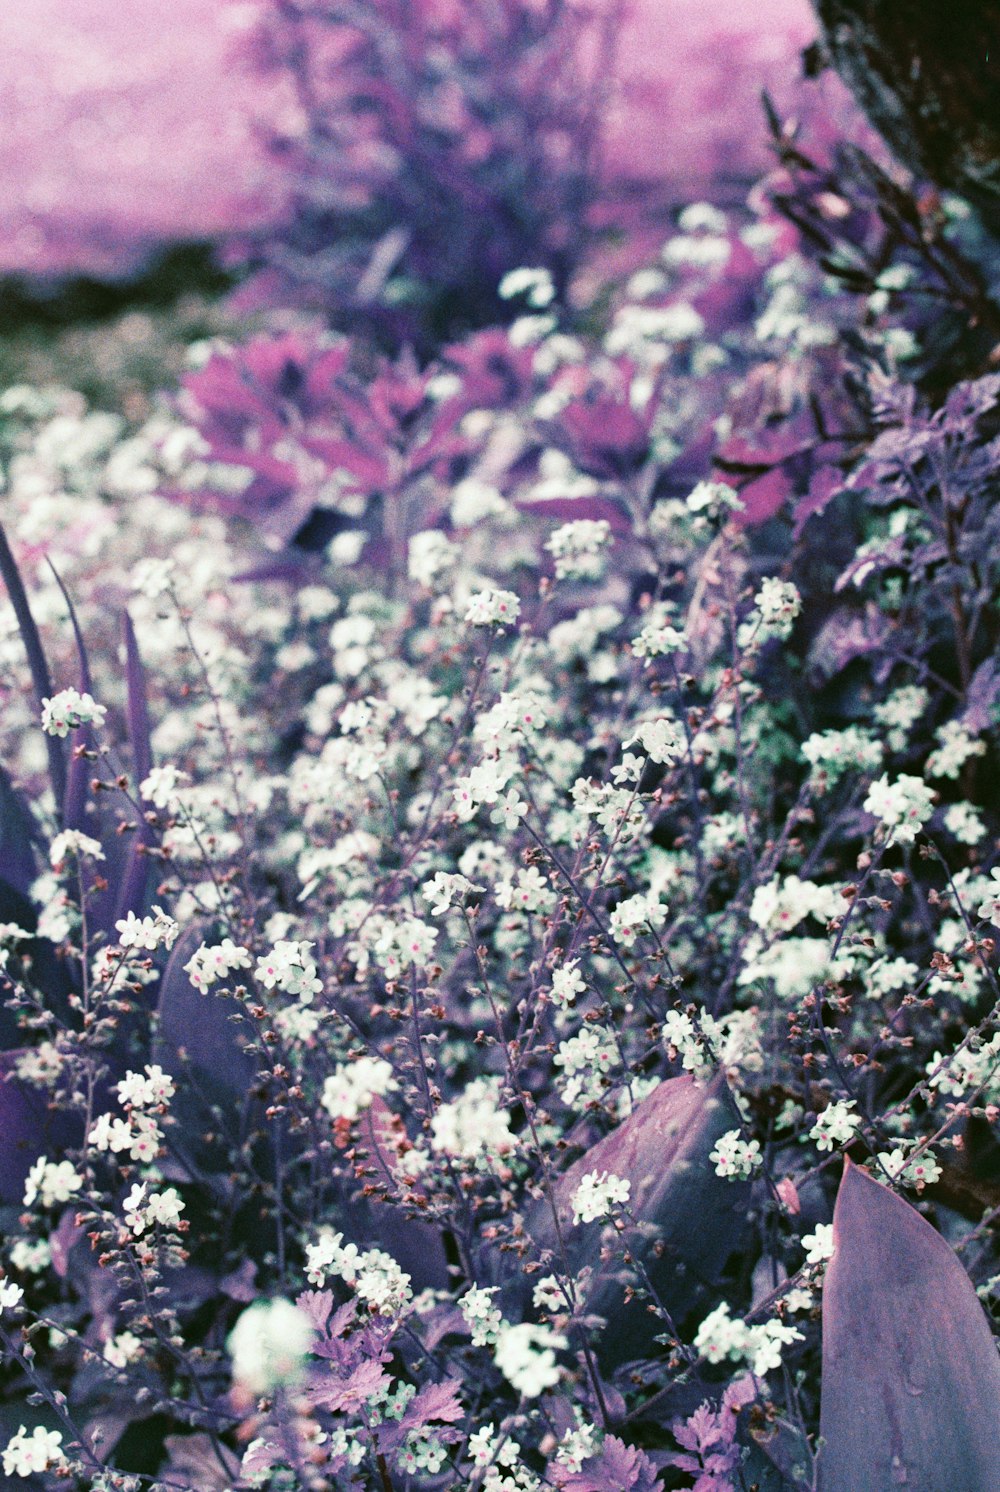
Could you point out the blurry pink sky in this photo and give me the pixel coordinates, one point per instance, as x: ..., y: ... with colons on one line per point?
x: 123, y: 123
x: 127, y: 123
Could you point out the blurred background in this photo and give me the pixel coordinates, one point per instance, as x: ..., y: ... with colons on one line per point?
x: 167, y: 173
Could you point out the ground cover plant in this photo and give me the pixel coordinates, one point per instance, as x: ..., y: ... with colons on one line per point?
x: 499, y: 879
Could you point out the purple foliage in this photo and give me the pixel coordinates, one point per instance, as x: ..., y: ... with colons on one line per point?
x: 911, y: 1379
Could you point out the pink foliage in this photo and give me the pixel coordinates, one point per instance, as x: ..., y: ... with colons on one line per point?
x: 690, y: 75
x: 123, y: 126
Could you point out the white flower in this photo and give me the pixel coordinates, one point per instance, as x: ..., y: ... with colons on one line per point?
x: 819, y: 1244
x: 834, y: 752
x: 526, y: 1356
x: 146, y: 1090
x: 473, y: 1126
x: 510, y: 810
x: 10, y: 1294
x: 956, y: 748
x: 578, y: 548
x: 597, y: 1196
x: 836, y: 1125
x: 269, y: 1345
x: 903, y: 806
x: 349, y: 1090
x: 290, y: 967
x: 635, y: 915
x: 719, y: 1336
x: 160, y: 787
x: 482, y: 1317
x: 444, y: 891
x: 430, y: 554
x: 662, y: 740
x: 962, y: 820
x: 714, y: 498
x: 32, y: 1256
x: 147, y: 932
x: 25, y: 1454
x: 51, y: 1183
x: 72, y: 842
x: 122, y: 1349
x: 567, y: 983
x: 735, y: 1158
x: 493, y: 608
x: 585, y: 1059
x: 920, y: 1171
x: 989, y: 908
x: 208, y: 964
x: 144, y: 1211
x: 764, y: 1344
x: 534, y: 284
x: 777, y: 605
x: 68, y: 710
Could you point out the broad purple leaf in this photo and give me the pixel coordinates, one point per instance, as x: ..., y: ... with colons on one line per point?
x: 663, y: 1150
x: 826, y: 483
x: 28, y: 1129
x: 416, y: 1245
x: 911, y: 1377
x: 201, y: 1040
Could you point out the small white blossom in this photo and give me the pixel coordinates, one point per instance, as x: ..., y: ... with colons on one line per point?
x: 597, y: 1196
x: 662, y: 740
x: 836, y: 1125
x: 11, y: 1295
x: 492, y: 608
x: 902, y: 807
x: 567, y: 983
x: 72, y: 842
x: 735, y: 1158
x: 208, y: 964
x: 269, y: 1345
x: 51, y: 1182
x: 482, y: 1317
x: 349, y: 1090
x: 919, y: 1171
x: 147, y: 932
x: 526, y: 1356
x: 819, y: 1244
x: 68, y: 710
x: 443, y: 891
x: 26, y: 1454
x: 634, y: 916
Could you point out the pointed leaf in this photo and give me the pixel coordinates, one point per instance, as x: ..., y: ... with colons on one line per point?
x: 663, y: 1149
x: 200, y: 1039
x: 132, y: 894
x: 911, y: 1377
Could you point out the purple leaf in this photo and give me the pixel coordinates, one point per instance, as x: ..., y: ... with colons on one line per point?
x: 981, y: 701
x: 28, y: 1129
x: 617, y: 1468
x: 349, y: 1394
x: 663, y: 1149
x: 437, y: 1401
x: 911, y: 1377
x: 37, y: 663
x: 201, y: 1040
x: 131, y: 896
